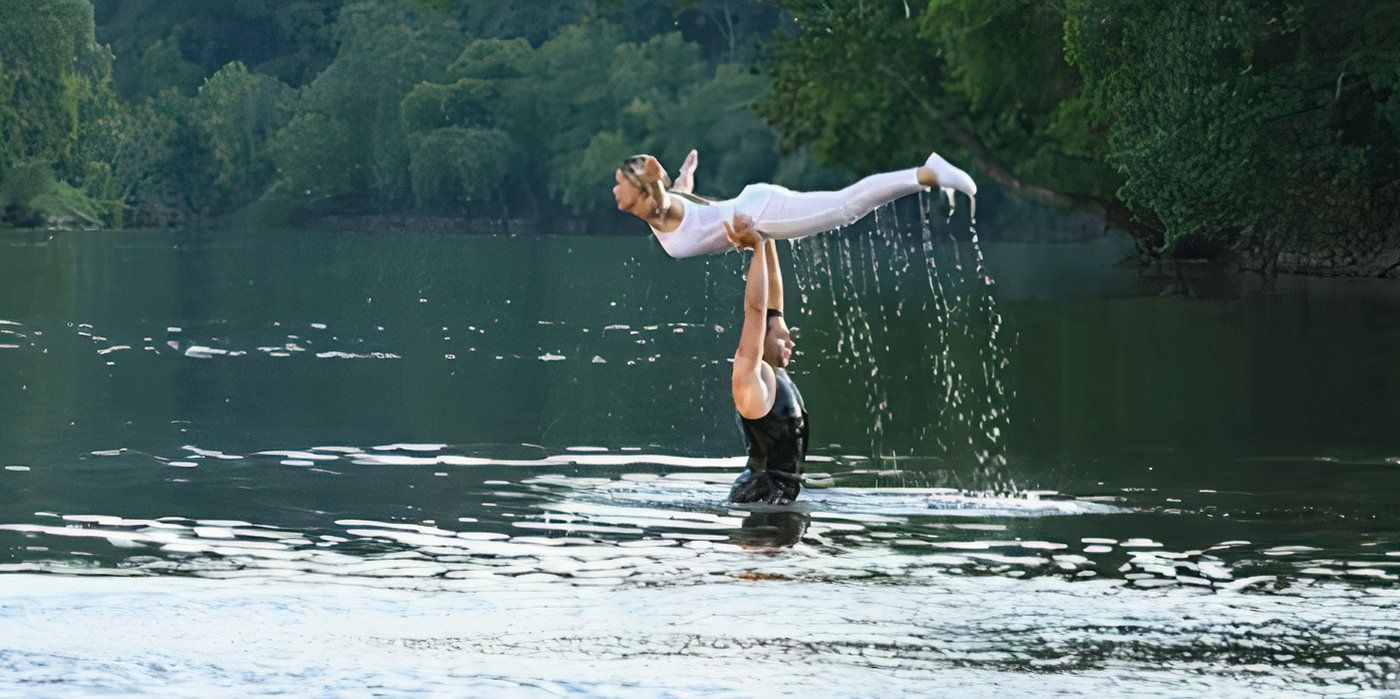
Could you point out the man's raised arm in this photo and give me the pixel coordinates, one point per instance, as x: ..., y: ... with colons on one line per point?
x: 748, y: 382
x: 775, y: 276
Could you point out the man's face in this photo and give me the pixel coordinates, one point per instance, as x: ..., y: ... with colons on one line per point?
x: 777, y: 343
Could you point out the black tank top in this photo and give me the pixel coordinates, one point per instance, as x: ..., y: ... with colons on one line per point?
x: 778, y: 441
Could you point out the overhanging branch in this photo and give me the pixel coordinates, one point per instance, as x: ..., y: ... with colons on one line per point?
x: 1112, y: 210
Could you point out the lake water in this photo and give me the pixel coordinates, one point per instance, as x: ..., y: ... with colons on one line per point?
x: 310, y: 462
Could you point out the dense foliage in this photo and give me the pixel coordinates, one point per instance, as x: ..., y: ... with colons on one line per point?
x: 1253, y: 125
x: 472, y: 107
x: 1200, y: 126
x: 58, y: 113
x: 1248, y: 120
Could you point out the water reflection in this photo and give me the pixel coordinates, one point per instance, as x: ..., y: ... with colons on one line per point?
x: 925, y: 581
x: 772, y: 530
x: 661, y: 519
x: 640, y: 527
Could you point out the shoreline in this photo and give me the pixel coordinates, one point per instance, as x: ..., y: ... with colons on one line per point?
x: 441, y: 223
x: 1230, y: 275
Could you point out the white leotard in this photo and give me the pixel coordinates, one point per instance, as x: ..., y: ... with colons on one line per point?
x: 701, y: 231
x: 781, y: 213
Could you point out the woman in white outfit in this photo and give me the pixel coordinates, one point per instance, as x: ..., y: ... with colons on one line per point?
x: 688, y: 225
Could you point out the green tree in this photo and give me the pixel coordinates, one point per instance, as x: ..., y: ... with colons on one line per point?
x: 159, y: 67
x: 40, y: 43
x: 433, y: 105
x: 153, y: 163
x: 236, y: 113
x: 814, y: 101
x: 312, y: 162
x: 983, y: 81
x: 456, y: 165
x: 11, y: 141
x: 1228, y: 124
x: 532, y: 22
x: 385, y: 49
x: 658, y: 96
x: 1245, y: 122
x: 715, y: 115
x: 164, y: 44
x: 386, y: 104
x: 59, y: 104
x: 1005, y: 72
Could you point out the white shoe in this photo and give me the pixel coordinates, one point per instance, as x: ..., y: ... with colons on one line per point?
x: 950, y: 177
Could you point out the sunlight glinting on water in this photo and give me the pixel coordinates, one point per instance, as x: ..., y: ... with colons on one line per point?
x: 455, y: 434
x: 642, y: 527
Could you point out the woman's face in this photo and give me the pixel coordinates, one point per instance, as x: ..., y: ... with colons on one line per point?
x: 628, y: 195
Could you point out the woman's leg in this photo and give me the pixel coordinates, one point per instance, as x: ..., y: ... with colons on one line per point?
x: 783, y: 213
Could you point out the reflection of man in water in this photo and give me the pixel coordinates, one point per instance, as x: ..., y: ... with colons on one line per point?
x: 771, y: 413
x: 774, y: 529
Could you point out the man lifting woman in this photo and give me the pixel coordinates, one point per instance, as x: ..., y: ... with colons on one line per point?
x: 772, y: 415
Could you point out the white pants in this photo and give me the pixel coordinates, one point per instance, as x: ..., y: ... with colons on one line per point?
x: 779, y: 212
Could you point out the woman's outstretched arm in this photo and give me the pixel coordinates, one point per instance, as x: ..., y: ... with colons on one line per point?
x: 685, y: 179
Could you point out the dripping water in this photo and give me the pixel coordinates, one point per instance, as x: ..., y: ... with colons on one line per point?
x: 949, y: 403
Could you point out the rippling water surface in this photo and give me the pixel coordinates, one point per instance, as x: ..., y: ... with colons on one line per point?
x: 290, y: 461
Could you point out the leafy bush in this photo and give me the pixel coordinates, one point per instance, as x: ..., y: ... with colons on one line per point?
x: 313, y: 160
x: 1242, y: 119
x: 236, y: 114
x: 1235, y: 123
x: 459, y: 165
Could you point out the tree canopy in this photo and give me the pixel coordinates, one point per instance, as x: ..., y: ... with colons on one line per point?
x: 1253, y: 126
x: 1220, y: 125
x: 474, y: 107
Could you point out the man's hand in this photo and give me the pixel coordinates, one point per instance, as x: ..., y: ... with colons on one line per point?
x: 685, y: 180
x: 742, y: 234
